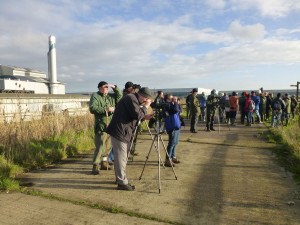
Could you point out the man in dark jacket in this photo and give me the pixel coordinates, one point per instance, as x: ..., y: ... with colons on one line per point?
x: 102, y: 105
x: 278, y: 106
x: 131, y: 109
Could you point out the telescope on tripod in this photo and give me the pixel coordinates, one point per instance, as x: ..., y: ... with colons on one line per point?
x: 157, y: 141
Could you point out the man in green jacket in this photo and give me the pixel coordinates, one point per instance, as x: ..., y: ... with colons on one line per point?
x: 194, y: 110
x: 102, y: 105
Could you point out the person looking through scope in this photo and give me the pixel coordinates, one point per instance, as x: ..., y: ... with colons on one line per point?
x: 131, y: 109
x: 172, y: 126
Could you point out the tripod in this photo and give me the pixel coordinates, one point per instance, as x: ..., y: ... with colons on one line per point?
x: 156, y: 142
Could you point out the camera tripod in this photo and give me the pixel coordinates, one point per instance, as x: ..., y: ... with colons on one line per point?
x: 156, y: 139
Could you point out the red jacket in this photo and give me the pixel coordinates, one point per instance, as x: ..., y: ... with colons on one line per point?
x: 247, y: 103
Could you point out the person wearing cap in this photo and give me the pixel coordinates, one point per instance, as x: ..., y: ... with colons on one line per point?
x: 194, y: 110
x: 130, y: 110
x: 102, y: 105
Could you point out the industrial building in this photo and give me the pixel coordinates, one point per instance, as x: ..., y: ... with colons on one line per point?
x: 23, y: 80
x: 26, y: 93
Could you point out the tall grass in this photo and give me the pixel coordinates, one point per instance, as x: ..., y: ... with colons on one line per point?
x: 37, y: 143
x: 288, y: 148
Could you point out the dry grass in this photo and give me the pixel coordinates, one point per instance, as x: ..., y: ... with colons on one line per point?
x: 39, y: 142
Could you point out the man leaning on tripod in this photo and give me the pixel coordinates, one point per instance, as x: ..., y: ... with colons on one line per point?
x: 129, y: 111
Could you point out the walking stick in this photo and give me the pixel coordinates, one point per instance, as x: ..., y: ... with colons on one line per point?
x: 106, y: 144
x: 219, y: 119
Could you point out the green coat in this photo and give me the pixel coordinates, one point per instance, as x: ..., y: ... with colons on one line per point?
x: 194, y: 104
x: 287, y: 101
x: 98, y: 104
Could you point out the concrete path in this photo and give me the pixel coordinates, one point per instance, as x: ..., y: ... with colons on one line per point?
x: 226, y: 177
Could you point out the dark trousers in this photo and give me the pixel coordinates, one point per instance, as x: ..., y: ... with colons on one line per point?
x: 194, y: 121
x: 243, y: 115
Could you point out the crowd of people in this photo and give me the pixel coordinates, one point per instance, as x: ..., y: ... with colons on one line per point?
x: 254, y: 107
x: 118, y: 114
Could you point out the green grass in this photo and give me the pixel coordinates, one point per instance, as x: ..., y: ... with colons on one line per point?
x: 38, y: 143
x: 287, y: 140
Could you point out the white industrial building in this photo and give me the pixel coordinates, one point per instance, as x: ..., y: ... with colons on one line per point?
x: 24, y: 80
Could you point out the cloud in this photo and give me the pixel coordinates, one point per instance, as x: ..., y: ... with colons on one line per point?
x: 96, y: 42
x: 267, y: 8
x: 248, y: 32
x: 216, y: 4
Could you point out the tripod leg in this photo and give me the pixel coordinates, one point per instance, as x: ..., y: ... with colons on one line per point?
x: 132, y: 144
x: 147, y: 157
x: 168, y: 156
x: 158, y: 162
x: 155, y: 144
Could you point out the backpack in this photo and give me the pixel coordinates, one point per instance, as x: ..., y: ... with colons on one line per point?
x: 251, y: 105
x: 277, y: 105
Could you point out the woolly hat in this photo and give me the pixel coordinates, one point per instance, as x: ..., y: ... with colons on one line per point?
x: 128, y: 84
x: 102, y: 83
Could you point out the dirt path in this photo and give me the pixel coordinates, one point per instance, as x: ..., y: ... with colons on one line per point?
x: 229, y: 177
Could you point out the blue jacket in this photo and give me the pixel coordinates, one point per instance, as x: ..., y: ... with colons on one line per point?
x: 172, y: 121
x: 256, y: 100
x: 202, y: 100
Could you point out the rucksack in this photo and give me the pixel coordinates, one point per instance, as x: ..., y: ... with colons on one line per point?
x: 251, y: 105
x: 277, y: 105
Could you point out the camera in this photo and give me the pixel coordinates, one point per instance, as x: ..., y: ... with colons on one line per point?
x: 157, y: 105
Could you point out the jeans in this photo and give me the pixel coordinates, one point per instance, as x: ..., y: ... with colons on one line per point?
x: 111, y: 155
x: 249, y: 118
x: 276, y: 115
x: 257, y: 115
x: 173, y: 141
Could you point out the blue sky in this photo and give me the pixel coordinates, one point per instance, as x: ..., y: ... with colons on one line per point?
x: 221, y: 44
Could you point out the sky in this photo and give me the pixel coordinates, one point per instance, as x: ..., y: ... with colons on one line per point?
x: 220, y: 44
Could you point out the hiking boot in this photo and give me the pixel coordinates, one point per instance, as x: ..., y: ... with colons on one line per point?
x: 110, y: 163
x: 168, y: 163
x: 211, y: 128
x: 126, y: 187
x: 207, y: 129
x: 175, y: 160
x: 95, y: 170
x: 104, y: 165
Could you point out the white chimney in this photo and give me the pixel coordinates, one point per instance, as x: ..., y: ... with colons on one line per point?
x: 52, y: 65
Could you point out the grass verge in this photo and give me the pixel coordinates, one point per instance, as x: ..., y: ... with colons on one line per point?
x: 287, y: 140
